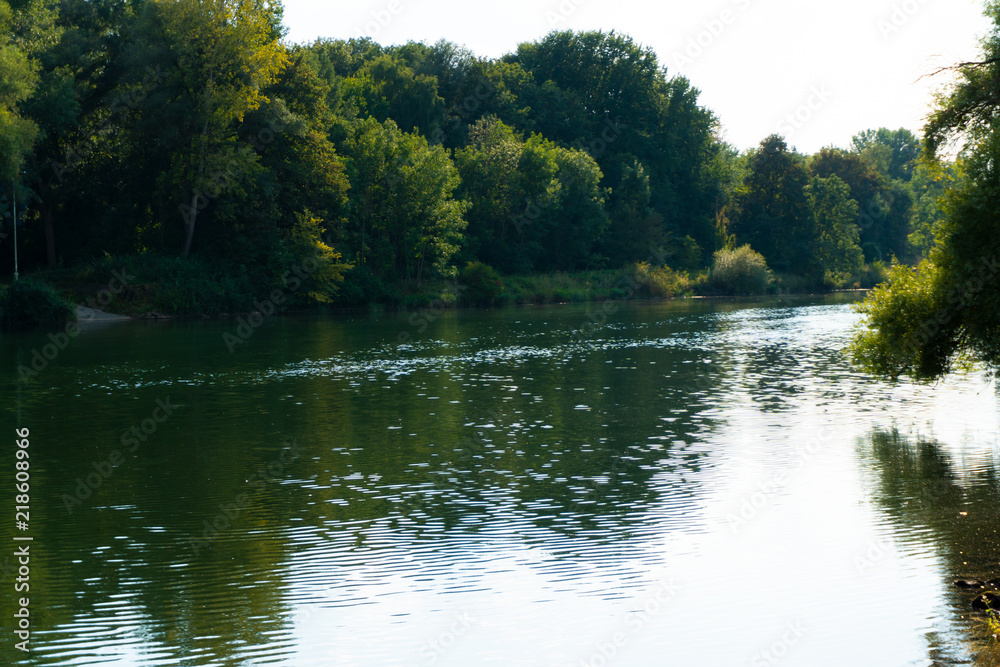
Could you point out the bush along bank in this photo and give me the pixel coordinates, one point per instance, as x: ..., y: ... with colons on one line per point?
x: 31, y: 302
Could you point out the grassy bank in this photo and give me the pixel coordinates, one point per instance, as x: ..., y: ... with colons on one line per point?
x: 151, y: 286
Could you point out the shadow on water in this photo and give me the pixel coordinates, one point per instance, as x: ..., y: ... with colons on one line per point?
x: 923, y: 488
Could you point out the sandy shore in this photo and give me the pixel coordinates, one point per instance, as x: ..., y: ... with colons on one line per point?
x: 85, y: 314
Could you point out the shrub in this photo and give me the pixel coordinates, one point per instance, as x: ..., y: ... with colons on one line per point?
x: 30, y: 301
x: 661, y: 281
x: 483, y: 286
x: 793, y: 283
x: 741, y: 271
x: 872, y: 274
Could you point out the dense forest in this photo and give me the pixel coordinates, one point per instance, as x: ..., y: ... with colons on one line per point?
x: 185, y: 143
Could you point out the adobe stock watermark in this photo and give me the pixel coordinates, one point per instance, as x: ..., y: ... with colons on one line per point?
x: 380, y: 20
x: 219, y: 180
x: 563, y: 11
x: 900, y: 15
x: 230, y: 512
x: 874, y: 553
x: 438, y: 646
x: 795, y: 120
x: 475, y: 445
x: 779, y: 650
x: 77, y: 153
x: 655, y: 601
x: 263, y: 309
x: 59, y: 341
x: 712, y: 31
x: 105, y: 468
x: 753, y: 504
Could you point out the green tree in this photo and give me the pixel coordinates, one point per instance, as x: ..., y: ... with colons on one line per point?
x: 868, y: 189
x: 930, y: 182
x: 605, y: 94
x: 635, y: 227
x: 835, y: 246
x: 18, y: 78
x: 536, y: 206
x: 217, y: 56
x: 927, y: 319
x: 385, y: 88
x: 298, y: 175
x: 580, y: 218
x: 894, y: 153
x: 596, y: 78
x: 493, y: 187
x: 771, y: 212
x: 81, y: 105
x: 404, y: 223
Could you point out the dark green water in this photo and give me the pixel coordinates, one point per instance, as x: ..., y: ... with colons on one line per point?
x: 692, y: 483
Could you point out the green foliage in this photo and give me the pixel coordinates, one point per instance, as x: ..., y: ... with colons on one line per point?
x: 902, y: 333
x: 872, y: 274
x: 661, y: 281
x: 967, y: 110
x: 30, y: 301
x: 404, y: 220
x: 742, y: 271
x: 634, y: 226
x: 689, y: 254
x: 615, y: 284
x: 492, y: 183
x: 883, y: 207
x: 771, y: 212
x: 385, y: 89
x: 535, y: 206
x: 925, y: 322
x: 189, y: 126
x: 483, y: 285
x: 793, y: 283
x: 217, y: 58
x: 318, y: 260
x: 931, y: 181
x: 190, y: 286
x: 893, y: 153
x: 835, y: 246
x: 606, y: 94
x: 18, y: 79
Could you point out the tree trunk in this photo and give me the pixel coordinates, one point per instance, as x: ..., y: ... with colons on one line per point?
x: 196, y: 195
x: 192, y: 216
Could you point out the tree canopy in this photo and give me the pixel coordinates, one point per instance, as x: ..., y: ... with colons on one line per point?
x: 946, y: 311
x: 190, y: 128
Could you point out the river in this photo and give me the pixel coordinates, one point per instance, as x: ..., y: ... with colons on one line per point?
x: 690, y: 482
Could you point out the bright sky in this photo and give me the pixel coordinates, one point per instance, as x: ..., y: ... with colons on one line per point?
x: 815, y: 71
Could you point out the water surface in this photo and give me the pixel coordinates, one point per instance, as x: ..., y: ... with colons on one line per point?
x: 691, y: 483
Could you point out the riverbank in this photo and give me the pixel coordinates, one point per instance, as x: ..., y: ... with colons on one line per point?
x: 101, y: 293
